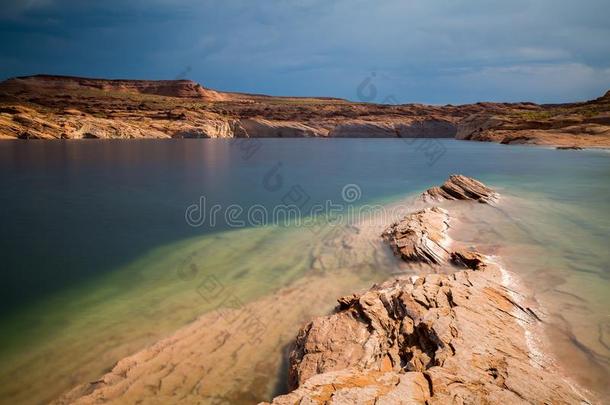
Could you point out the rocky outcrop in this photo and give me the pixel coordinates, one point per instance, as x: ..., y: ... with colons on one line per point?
x: 461, y: 337
x: 354, y: 386
x: 27, y: 123
x: 456, y: 337
x: 430, y: 128
x: 460, y: 333
x: 261, y: 128
x: 459, y: 187
x: 477, y: 126
x: 421, y: 236
x: 583, y: 125
x: 210, y: 128
x: 229, y: 355
x: 364, y: 129
x: 468, y: 259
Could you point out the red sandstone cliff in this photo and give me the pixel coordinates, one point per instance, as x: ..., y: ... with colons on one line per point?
x: 62, y: 107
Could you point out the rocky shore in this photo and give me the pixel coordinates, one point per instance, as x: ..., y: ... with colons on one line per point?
x: 460, y: 334
x: 59, y: 107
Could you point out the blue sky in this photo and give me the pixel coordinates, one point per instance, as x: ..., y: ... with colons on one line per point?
x: 428, y: 51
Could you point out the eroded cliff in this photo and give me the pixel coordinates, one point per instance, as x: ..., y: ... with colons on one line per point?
x: 60, y: 107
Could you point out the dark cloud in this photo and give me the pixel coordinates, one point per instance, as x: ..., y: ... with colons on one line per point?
x: 422, y: 51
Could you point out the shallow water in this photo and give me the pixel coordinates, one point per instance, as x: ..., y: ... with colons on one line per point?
x: 99, y: 261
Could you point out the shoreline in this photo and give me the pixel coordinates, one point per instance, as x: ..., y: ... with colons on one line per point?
x: 85, y: 394
x: 328, y: 366
x: 542, y: 145
x: 534, y: 337
x: 556, y: 147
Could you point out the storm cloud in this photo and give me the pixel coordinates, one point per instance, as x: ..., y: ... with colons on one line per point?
x: 410, y: 51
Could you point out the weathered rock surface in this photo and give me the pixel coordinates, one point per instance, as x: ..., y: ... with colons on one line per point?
x: 168, y: 88
x: 468, y: 259
x: 353, y: 386
x: 428, y: 128
x: 462, y: 333
x: 459, y: 187
x: 227, y: 356
x: 58, y: 107
x: 261, y: 128
x: 579, y: 124
x: 364, y: 129
x: 441, y: 338
x: 462, y: 337
x: 421, y: 236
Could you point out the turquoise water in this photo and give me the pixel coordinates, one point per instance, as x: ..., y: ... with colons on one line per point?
x: 98, y: 260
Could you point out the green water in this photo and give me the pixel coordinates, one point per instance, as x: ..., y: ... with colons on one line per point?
x: 98, y: 261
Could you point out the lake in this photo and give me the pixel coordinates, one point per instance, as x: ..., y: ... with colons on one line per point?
x: 109, y: 246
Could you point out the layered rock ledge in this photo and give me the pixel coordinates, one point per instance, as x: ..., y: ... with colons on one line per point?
x: 459, y: 187
x: 576, y: 124
x: 461, y: 337
x: 439, y: 339
x: 421, y: 236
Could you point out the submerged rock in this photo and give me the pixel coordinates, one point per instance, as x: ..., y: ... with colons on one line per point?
x: 459, y: 187
x: 468, y: 259
x: 573, y: 147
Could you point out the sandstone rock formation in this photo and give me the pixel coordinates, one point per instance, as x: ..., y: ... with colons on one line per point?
x: 462, y: 337
x: 459, y: 187
x: 353, y: 386
x: 579, y: 124
x: 428, y: 128
x: 468, y: 259
x: 458, y: 337
x: 60, y: 107
x: 421, y: 236
x: 233, y: 353
x: 261, y: 128
x: 169, y: 88
x: 227, y: 356
x: 364, y: 129
x: 440, y: 339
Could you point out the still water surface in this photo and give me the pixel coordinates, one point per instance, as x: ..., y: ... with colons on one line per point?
x: 95, y: 244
